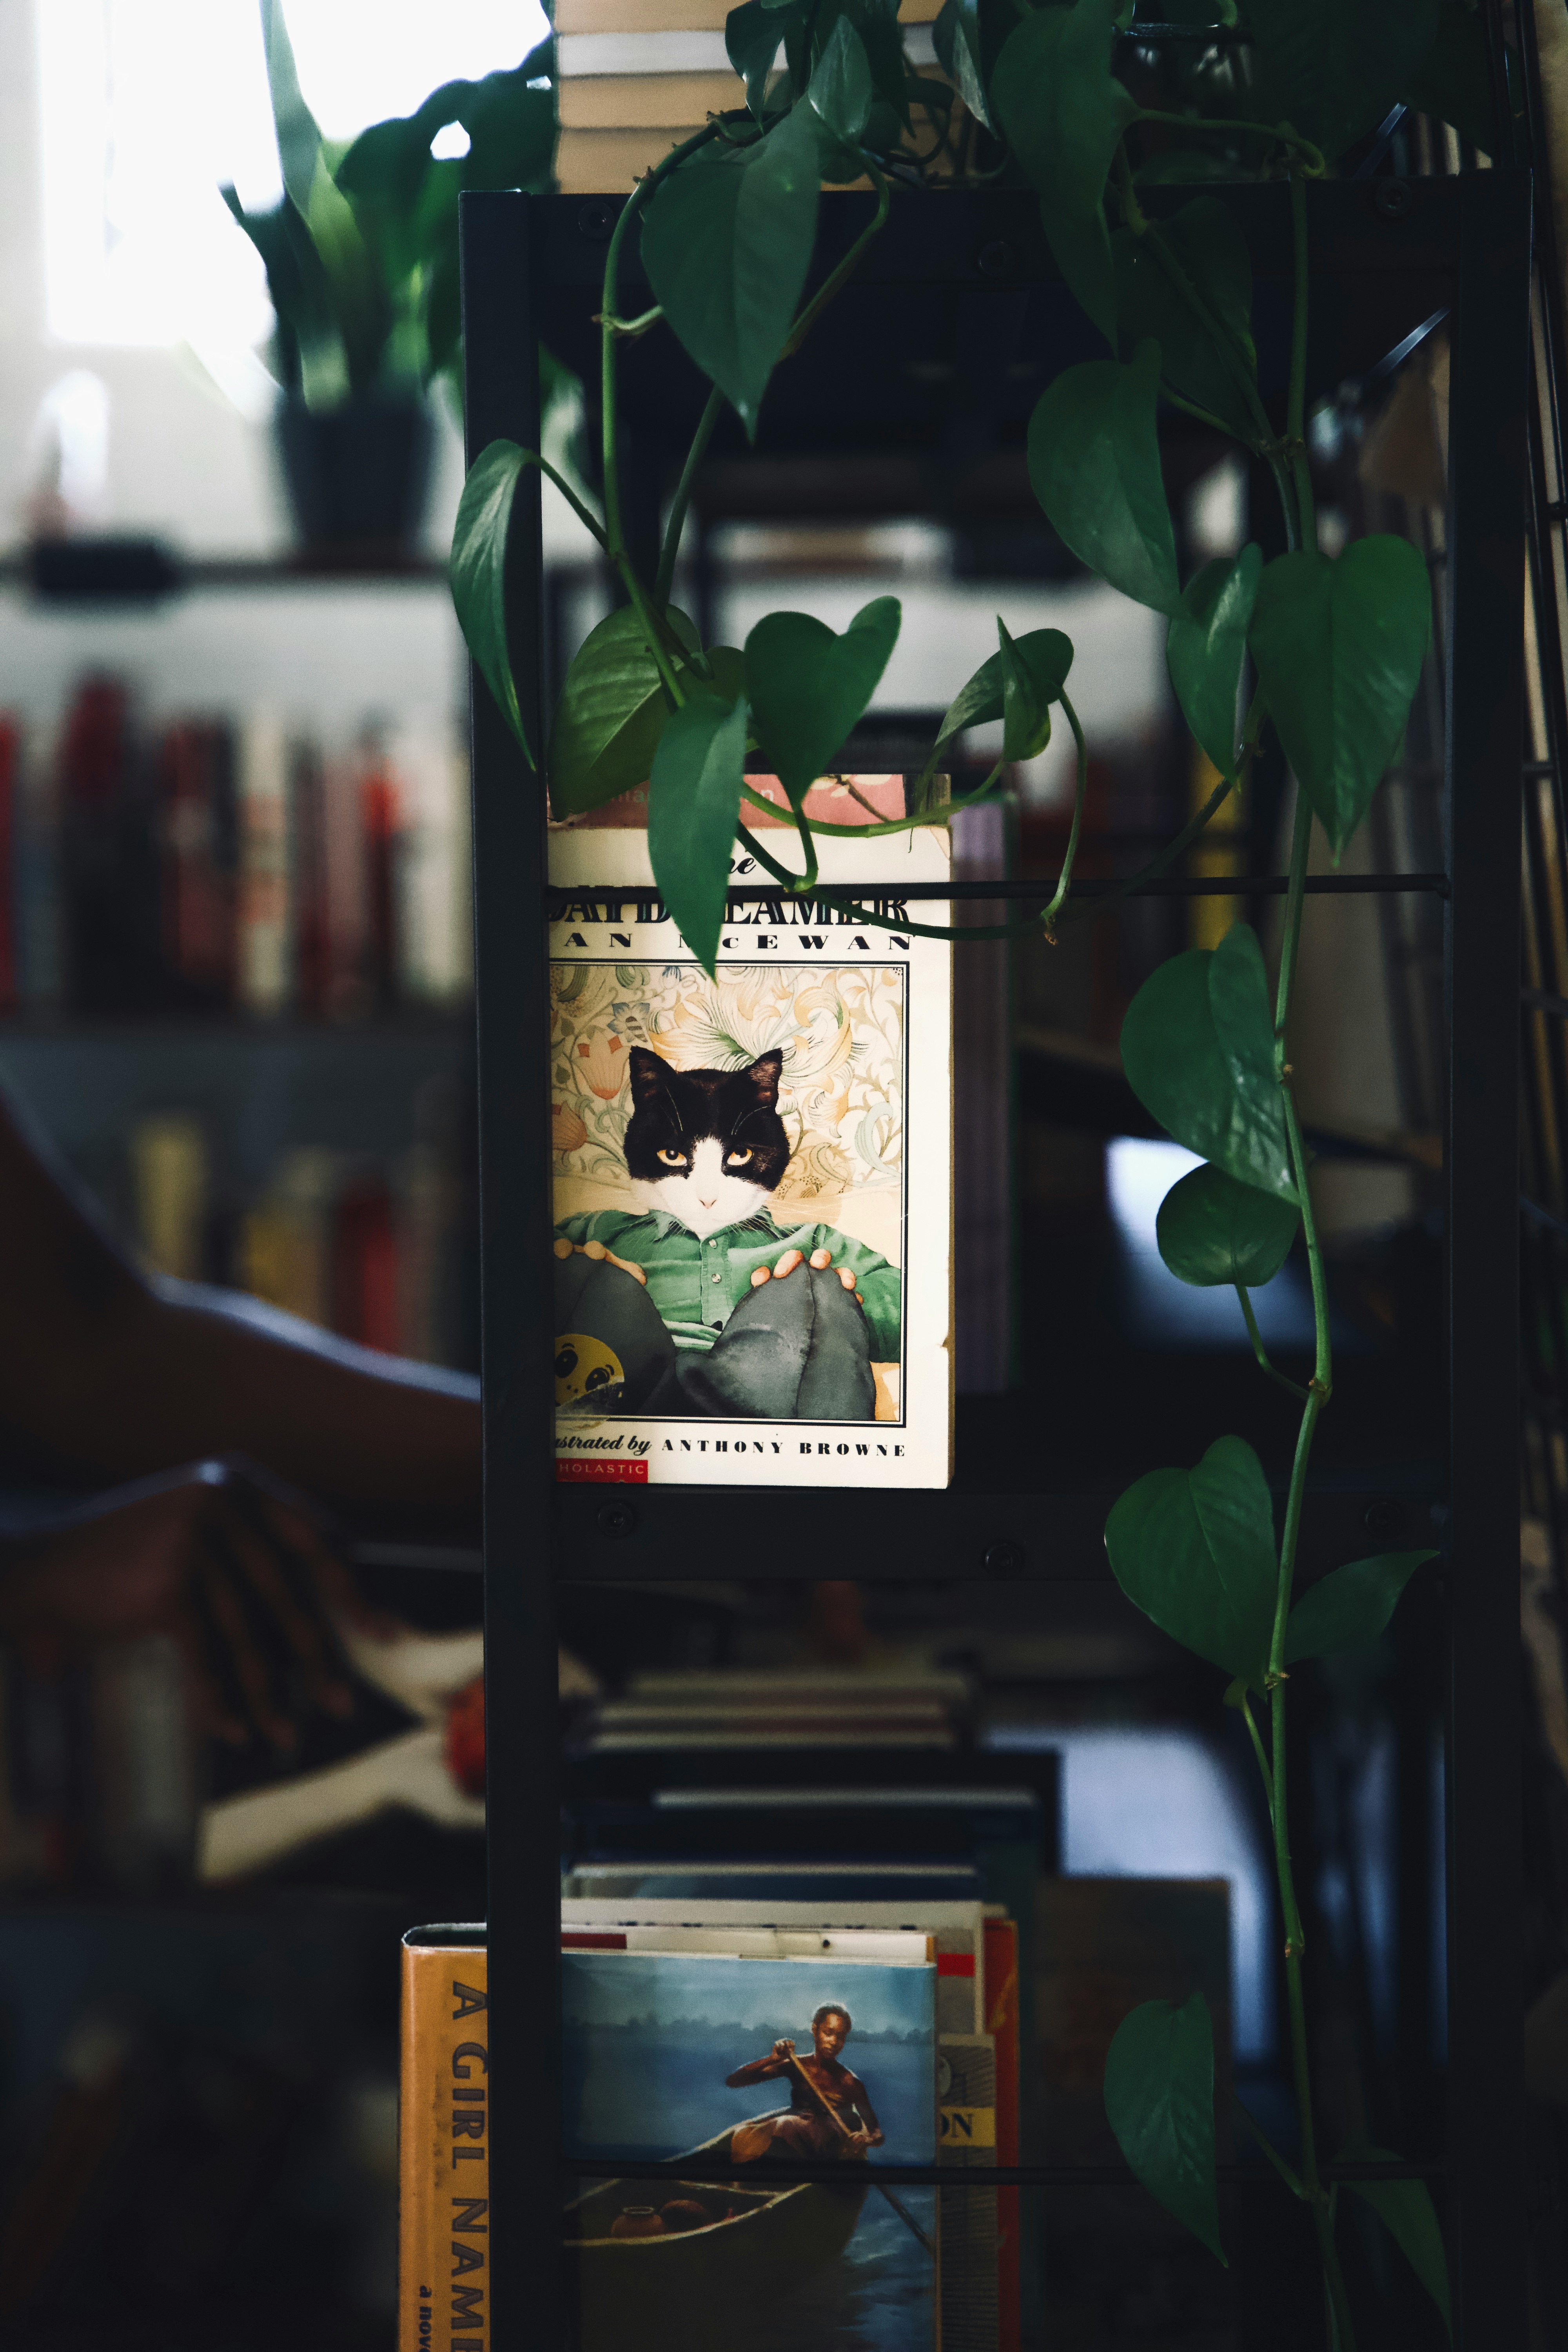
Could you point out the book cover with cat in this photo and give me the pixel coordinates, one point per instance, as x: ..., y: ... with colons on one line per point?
x: 754, y: 1171
x: 740, y: 2070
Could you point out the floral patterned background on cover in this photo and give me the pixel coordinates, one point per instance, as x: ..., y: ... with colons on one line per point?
x: 841, y: 1027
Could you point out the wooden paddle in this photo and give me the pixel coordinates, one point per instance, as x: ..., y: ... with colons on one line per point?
x: 901, y: 2209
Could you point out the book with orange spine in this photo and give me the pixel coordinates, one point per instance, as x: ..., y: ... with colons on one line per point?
x: 442, y: 2143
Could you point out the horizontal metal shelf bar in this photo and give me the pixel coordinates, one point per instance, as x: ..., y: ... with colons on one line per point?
x: 1542, y: 1001
x: 1203, y: 886
x: 953, y: 2176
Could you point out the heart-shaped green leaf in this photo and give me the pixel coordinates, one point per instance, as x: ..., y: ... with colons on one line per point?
x: 1205, y: 650
x: 1406, y: 2210
x: 1332, y: 68
x: 1049, y: 658
x: 1350, y: 1607
x: 807, y: 688
x: 693, y: 808
x: 752, y: 38
x: 1195, y: 1550
x: 1339, y: 643
x: 611, y: 714
x: 956, y: 38
x: 1063, y: 113
x: 1030, y: 683
x: 1209, y: 250
x: 1159, y: 2101
x: 840, y: 85
x: 1197, y: 1045
x: 726, y: 243
x: 1212, y: 1231
x: 1094, y: 462
x: 478, y: 571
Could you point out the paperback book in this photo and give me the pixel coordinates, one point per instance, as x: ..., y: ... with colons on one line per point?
x: 752, y: 1167
x: 744, y: 2069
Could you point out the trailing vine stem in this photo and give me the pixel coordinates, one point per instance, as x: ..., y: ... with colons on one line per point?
x: 1319, y: 1388
x: 1048, y: 920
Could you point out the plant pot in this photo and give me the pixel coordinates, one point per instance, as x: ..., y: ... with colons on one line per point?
x: 357, y: 476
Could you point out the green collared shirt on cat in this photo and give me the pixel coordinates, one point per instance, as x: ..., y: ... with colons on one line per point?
x: 697, y: 1285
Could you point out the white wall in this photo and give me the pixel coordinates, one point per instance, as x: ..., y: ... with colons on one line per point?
x: 182, y: 461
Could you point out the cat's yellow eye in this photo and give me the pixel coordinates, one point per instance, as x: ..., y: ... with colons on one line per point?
x: 739, y: 1159
x: 673, y: 1159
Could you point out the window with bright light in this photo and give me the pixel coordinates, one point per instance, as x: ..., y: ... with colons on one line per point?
x: 147, y: 106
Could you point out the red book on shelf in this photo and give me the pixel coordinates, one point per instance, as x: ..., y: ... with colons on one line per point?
x: 365, y: 1285
x: 380, y: 819
x: 10, y: 786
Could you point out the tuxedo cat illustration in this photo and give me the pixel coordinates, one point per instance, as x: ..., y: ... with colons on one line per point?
x: 693, y: 1299
x: 705, y: 1146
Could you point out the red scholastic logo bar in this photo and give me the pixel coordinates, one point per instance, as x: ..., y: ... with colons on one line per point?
x: 572, y: 1470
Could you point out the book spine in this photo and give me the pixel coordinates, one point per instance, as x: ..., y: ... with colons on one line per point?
x: 967, y: 2217
x: 444, y: 2234
x: 1002, y: 2024
x: 263, y: 808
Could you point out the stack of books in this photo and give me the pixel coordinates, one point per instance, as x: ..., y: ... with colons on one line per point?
x: 227, y: 863
x: 636, y: 77
x: 767, y: 1973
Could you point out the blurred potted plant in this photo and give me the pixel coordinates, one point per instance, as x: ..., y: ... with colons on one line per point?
x: 360, y: 254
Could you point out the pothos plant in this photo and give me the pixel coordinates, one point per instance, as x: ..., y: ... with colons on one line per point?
x: 1323, y: 648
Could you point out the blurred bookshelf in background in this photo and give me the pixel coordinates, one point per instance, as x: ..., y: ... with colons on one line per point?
x: 236, y: 985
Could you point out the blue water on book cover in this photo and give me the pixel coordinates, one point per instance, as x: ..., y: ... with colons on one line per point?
x: 653, y: 2043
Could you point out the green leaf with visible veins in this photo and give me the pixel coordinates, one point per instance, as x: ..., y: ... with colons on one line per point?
x: 1159, y: 2101
x: 1197, y: 1045
x: 611, y: 714
x: 1339, y: 643
x: 1193, y: 1549
x: 1030, y: 683
x: 956, y: 38
x: 1212, y: 1231
x: 1350, y: 1607
x: 1063, y: 112
x: 727, y: 242
x: 1094, y: 464
x: 693, y: 808
x: 807, y: 687
x: 1333, y: 69
x: 983, y: 700
x: 478, y: 571
x: 1208, y: 246
x: 1204, y: 649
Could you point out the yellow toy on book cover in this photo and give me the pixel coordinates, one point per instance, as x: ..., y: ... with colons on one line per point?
x: 754, y: 1168
x: 443, y: 2150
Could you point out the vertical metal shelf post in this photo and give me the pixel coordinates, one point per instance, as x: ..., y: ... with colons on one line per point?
x: 512, y: 999
x: 1487, y: 440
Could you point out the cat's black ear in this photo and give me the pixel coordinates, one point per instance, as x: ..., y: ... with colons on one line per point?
x: 649, y: 1074
x: 764, y: 1076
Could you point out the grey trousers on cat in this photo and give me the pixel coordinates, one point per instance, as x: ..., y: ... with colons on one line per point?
x: 795, y: 1350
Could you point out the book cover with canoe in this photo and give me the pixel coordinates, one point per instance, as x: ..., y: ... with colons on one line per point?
x: 752, y: 1166
x: 745, y: 2069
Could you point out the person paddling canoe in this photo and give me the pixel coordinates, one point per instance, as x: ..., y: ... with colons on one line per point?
x: 830, y: 2112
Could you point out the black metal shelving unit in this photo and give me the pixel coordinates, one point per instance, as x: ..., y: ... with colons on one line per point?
x: 1387, y: 256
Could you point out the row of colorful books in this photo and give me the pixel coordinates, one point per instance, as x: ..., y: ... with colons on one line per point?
x: 231, y: 863
x: 372, y: 1251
